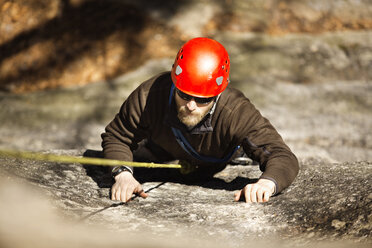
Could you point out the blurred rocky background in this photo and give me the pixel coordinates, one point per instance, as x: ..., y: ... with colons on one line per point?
x: 53, y: 43
x: 66, y: 66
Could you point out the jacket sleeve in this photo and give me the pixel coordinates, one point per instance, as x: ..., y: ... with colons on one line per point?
x: 262, y: 143
x: 129, y: 127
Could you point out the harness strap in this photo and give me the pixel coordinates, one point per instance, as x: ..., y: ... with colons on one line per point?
x: 182, y: 141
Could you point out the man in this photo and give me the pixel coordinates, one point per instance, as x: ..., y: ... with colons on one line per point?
x: 191, y: 115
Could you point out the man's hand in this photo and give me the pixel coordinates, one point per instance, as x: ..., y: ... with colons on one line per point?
x: 257, y: 192
x: 125, y: 186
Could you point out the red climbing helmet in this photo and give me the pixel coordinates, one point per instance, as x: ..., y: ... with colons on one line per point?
x: 201, y: 68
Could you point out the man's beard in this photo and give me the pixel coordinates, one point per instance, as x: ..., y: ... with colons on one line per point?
x: 190, y: 119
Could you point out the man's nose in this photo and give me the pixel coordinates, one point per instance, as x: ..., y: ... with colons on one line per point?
x: 191, y: 105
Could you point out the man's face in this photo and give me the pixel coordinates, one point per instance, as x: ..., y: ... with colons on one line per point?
x: 191, y: 112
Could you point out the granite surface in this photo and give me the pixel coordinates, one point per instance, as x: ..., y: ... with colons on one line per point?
x: 327, y: 202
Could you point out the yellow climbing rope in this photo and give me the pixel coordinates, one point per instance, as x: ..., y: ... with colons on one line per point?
x: 82, y: 160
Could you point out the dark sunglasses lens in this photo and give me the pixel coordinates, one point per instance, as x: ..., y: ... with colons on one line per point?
x: 201, y: 100
x: 184, y: 96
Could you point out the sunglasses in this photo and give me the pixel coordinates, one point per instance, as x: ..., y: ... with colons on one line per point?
x: 201, y: 100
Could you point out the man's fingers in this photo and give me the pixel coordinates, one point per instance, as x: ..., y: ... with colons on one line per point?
x: 118, y: 194
x: 140, y: 192
x: 113, y: 191
x: 260, y: 193
x: 247, y: 193
x: 128, y: 197
x: 124, y: 195
x: 135, y: 190
x: 238, y: 195
x: 266, y: 196
x: 253, y: 193
x: 124, y: 188
x: 143, y: 194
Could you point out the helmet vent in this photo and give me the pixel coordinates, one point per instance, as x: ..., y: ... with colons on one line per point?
x: 219, y: 80
x: 178, y: 70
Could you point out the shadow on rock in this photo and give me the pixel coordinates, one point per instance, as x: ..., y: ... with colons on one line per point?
x: 100, y: 174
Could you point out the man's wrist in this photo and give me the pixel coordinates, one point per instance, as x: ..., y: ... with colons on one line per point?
x: 119, y: 169
x: 123, y: 176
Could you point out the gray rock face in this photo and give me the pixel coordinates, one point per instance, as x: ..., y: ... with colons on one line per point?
x: 327, y: 202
